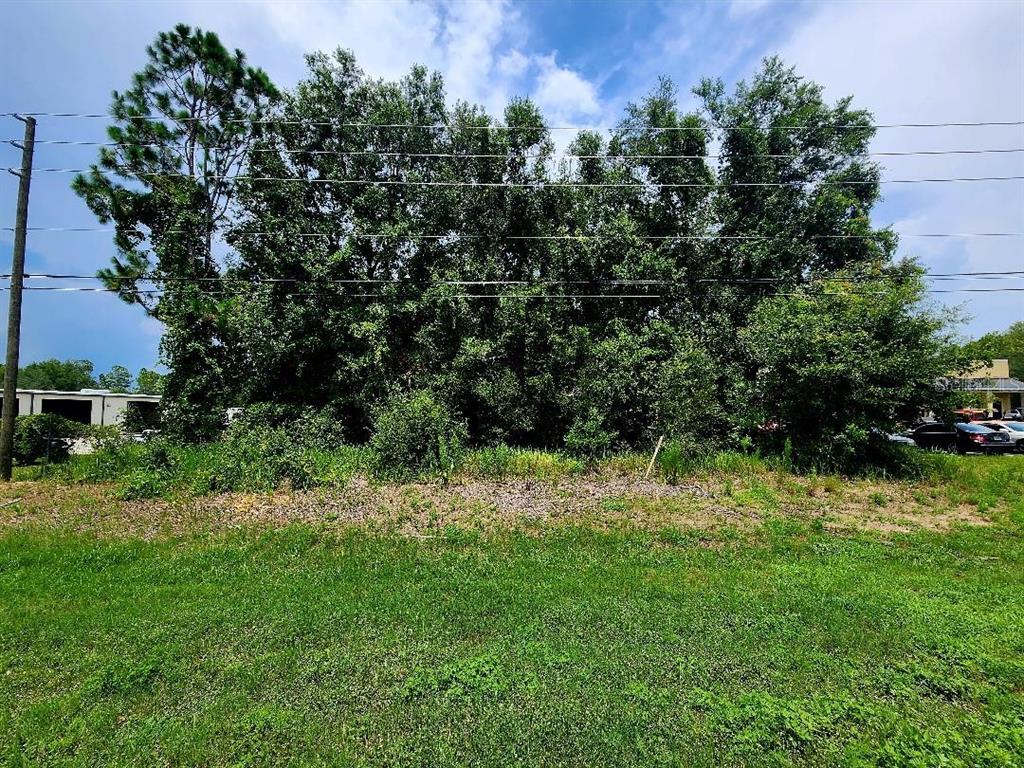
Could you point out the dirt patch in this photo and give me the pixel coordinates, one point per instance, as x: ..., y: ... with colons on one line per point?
x: 428, y: 509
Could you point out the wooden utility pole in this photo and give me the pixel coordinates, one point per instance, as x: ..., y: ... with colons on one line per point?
x: 14, y: 309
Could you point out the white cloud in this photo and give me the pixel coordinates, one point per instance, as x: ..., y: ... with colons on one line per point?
x: 471, y: 34
x: 513, y: 64
x: 561, y: 91
x: 387, y: 37
x: 479, y: 47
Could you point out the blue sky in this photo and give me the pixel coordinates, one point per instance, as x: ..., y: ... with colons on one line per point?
x: 582, y: 61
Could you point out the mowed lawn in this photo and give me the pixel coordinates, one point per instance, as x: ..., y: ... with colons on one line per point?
x: 566, y: 646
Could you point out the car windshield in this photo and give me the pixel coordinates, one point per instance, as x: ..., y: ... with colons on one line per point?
x: 1019, y: 427
x: 974, y: 428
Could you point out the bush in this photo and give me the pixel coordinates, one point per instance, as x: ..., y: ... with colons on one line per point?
x: 680, y: 457
x: 138, y: 419
x: 855, y: 450
x: 414, y: 435
x: 44, y: 436
x: 690, y: 389
x: 494, y: 462
x: 259, y: 459
x: 588, y: 438
x: 315, y: 428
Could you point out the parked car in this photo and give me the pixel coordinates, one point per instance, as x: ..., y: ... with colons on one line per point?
x: 892, y: 437
x: 934, y: 436
x: 973, y: 437
x: 1015, y: 415
x: 1012, y: 429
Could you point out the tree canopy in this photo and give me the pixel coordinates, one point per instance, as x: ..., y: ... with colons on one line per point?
x: 65, y: 375
x: 75, y: 375
x: 383, y: 241
x: 181, y: 132
x: 1008, y: 344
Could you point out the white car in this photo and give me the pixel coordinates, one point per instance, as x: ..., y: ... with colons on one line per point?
x: 1013, y: 429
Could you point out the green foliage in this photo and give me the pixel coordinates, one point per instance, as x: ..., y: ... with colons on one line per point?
x: 44, y: 436
x: 680, y: 457
x: 831, y: 367
x: 118, y: 379
x: 176, y: 194
x: 140, y: 418
x: 700, y: 248
x: 318, y: 429
x: 415, y: 435
x: 494, y: 462
x: 1008, y: 344
x: 149, y: 382
x: 64, y: 375
x: 692, y: 396
x: 588, y: 437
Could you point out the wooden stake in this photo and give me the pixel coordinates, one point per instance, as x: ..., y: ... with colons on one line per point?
x: 657, y: 448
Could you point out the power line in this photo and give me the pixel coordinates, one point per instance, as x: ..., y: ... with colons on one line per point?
x: 553, y: 184
x: 472, y: 236
x: 946, y: 276
x: 489, y: 127
x: 524, y: 296
x: 506, y: 156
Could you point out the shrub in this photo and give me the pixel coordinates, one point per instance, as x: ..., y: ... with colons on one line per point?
x: 494, y: 462
x: 689, y: 395
x: 315, y: 428
x: 415, y: 435
x: 143, y: 484
x: 318, y: 429
x: 44, y: 435
x: 259, y: 459
x: 588, y: 438
x: 679, y: 457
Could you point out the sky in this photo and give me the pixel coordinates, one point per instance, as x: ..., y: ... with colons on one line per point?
x: 583, y: 61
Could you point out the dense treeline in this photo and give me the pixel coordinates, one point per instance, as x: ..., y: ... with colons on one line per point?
x: 382, y: 241
x: 1008, y: 344
x: 74, y: 375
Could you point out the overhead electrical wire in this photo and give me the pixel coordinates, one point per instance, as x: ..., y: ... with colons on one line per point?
x: 523, y: 296
x: 994, y: 275
x: 243, y: 280
x: 548, y: 184
x: 505, y: 156
x: 471, y: 236
x: 445, y: 126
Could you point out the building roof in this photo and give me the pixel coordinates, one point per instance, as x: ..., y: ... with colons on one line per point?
x: 87, y: 393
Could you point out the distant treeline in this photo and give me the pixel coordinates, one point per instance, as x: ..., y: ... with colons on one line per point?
x: 73, y: 375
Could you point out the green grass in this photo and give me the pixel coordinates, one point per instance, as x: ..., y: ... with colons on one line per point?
x: 569, y: 647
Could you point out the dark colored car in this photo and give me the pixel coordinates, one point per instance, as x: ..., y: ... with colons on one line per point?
x: 934, y: 436
x: 981, y: 439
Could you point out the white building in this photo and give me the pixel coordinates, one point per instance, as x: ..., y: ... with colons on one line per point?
x: 100, y: 407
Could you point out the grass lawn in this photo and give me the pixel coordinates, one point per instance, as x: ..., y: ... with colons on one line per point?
x: 313, y: 643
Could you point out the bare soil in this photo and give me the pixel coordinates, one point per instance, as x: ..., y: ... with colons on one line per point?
x: 428, y: 509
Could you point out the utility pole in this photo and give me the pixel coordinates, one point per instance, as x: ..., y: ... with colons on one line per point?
x: 14, y: 310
